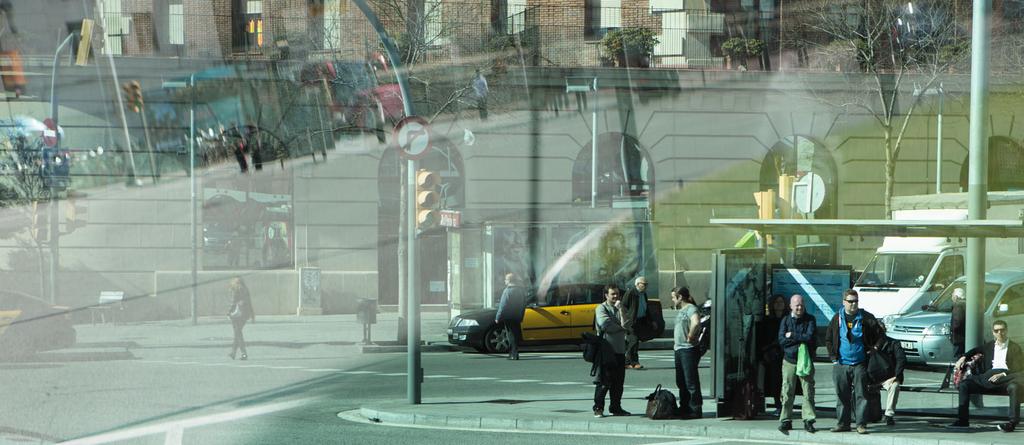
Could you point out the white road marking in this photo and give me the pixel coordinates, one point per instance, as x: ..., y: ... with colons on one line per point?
x: 284, y: 367
x: 174, y: 436
x: 180, y: 425
x: 358, y: 372
x: 439, y: 376
x: 322, y: 370
x: 519, y: 381
x: 478, y: 378
x: 394, y: 374
x: 560, y: 383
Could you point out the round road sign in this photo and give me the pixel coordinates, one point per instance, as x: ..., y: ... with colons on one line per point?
x: 413, y: 136
x: 50, y: 133
x: 809, y: 193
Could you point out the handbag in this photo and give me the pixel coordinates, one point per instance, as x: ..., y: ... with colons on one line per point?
x: 969, y: 368
x: 804, y: 364
x: 661, y: 404
x: 880, y: 367
x: 236, y: 312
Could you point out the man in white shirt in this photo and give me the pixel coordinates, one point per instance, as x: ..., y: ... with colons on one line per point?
x: 999, y: 364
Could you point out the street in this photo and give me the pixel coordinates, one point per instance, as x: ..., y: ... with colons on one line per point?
x: 185, y: 389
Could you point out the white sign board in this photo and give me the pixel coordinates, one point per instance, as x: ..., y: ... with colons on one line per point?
x: 413, y: 136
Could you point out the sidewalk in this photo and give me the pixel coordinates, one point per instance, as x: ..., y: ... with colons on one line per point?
x: 917, y: 424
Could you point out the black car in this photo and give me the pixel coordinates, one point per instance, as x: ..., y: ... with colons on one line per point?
x: 561, y: 317
x: 29, y: 325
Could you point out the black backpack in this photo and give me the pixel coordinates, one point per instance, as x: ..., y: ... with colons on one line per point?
x: 661, y: 404
x: 591, y: 347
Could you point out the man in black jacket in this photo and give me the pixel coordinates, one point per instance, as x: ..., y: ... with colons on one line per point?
x: 850, y: 333
x: 798, y: 328
x: 997, y: 373
x: 892, y: 377
x: 634, y: 310
x: 510, y: 312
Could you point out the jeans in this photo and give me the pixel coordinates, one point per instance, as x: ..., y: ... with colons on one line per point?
x: 512, y: 335
x: 851, y: 383
x: 239, y: 341
x: 616, y: 378
x: 789, y: 392
x: 632, y: 348
x: 691, y: 402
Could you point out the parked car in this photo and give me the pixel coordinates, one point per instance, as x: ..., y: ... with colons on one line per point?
x: 925, y: 334
x: 561, y: 317
x: 29, y: 325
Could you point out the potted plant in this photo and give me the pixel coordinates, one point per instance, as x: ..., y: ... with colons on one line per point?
x: 739, y: 50
x: 630, y: 47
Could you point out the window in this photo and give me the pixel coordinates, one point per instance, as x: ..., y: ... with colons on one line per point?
x: 624, y: 173
x: 176, y: 23
x: 949, y: 269
x: 433, y: 22
x: 601, y: 15
x: 117, y: 27
x: 1013, y: 298
x: 248, y: 224
x: 248, y: 24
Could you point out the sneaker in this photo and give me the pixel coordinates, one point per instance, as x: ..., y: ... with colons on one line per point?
x: 861, y: 429
x: 809, y: 426
x: 620, y: 412
x: 959, y: 424
x: 598, y: 412
x: 889, y: 421
x: 1006, y: 427
x: 840, y: 429
x: 785, y: 426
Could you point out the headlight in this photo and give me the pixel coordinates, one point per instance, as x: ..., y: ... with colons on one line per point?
x: 888, y: 320
x: 937, y: 329
x: 467, y: 322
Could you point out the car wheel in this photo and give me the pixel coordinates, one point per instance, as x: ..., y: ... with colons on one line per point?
x: 495, y: 340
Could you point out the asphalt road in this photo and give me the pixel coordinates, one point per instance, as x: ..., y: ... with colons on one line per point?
x: 292, y: 392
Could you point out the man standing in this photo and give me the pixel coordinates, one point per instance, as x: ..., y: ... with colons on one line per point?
x: 958, y: 322
x: 634, y: 308
x: 893, y: 352
x: 997, y: 373
x: 510, y: 312
x: 608, y: 322
x: 797, y: 329
x: 481, y: 90
x: 847, y: 339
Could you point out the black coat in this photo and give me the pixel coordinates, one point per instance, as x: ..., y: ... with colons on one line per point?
x: 896, y: 361
x: 872, y: 333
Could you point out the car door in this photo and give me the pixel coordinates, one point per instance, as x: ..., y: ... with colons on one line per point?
x: 1011, y: 309
x: 550, y: 319
x: 585, y: 302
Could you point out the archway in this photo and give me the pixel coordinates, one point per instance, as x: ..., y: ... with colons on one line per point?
x: 446, y: 160
x: 624, y: 172
x: 1005, y: 165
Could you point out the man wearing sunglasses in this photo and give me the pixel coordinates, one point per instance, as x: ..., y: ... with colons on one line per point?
x: 849, y: 334
x: 998, y: 370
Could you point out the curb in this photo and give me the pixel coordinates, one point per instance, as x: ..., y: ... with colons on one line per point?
x: 647, y: 428
x: 428, y: 347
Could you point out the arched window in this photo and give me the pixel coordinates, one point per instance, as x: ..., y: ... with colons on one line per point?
x: 1005, y: 165
x: 624, y: 171
x: 446, y: 160
x: 796, y: 156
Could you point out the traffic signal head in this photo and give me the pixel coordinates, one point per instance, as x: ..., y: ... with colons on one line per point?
x: 133, y: 95
x: 427, y: 199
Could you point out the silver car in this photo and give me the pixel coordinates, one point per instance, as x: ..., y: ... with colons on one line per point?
x: 925, y: 334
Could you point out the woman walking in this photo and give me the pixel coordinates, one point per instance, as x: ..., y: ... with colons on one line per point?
x: 241, y: 312
x: 687, y: 327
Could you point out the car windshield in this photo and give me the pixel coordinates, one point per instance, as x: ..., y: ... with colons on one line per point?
x: 944, y: 302
x: 897, y: 270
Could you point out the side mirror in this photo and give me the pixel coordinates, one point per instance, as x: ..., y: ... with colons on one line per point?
x: 925, y: 307
x: 1003, y: 307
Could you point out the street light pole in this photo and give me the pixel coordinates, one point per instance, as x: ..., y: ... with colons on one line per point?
x: 194, y: 300
x: 977, y: 196
x: 938, y: 143
x: 54, y: 206
x: 593, y: 150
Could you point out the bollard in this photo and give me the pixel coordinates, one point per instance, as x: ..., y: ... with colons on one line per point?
x: 366, y: 313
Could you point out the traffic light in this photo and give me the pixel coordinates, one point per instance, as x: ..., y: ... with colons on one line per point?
x: 427, y: 199
x: 133, y: 95
x: 56, y: 168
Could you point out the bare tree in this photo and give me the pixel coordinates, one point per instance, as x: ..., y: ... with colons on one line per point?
x: 24, y: 196
x: 892, y: 51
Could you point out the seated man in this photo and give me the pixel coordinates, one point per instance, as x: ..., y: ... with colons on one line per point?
x: 998, y: 370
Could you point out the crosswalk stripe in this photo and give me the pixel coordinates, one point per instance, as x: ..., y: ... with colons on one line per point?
x: 439, y: 376
x: 560, y: 383
x: 519, y: 381
x: 478, y: 378
x: 393, y: 374
x: 358, y: 372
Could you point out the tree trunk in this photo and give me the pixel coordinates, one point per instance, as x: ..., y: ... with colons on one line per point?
x: 890, y: 174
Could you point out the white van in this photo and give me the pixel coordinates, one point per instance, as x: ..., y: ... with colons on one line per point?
x: 907, y: 273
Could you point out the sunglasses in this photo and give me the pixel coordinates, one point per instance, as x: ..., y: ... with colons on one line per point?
x: 851, y: 301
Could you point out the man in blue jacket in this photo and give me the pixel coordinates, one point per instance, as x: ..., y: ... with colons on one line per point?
x: 795, y: 330
x: 850, y: 333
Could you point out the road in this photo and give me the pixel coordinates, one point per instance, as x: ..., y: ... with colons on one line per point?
x: 292, y: 392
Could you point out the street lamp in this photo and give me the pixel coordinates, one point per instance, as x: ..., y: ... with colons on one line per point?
x: 938, y: 131
x: 581, y: 85
x: 191, y: 85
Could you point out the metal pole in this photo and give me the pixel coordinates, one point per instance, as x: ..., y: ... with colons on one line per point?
x: 54, y: 206
x: 415, y: 373
x: 593, y: 151
x: 194, y: 300
x: 978, y: 173
x: 938, y: 143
